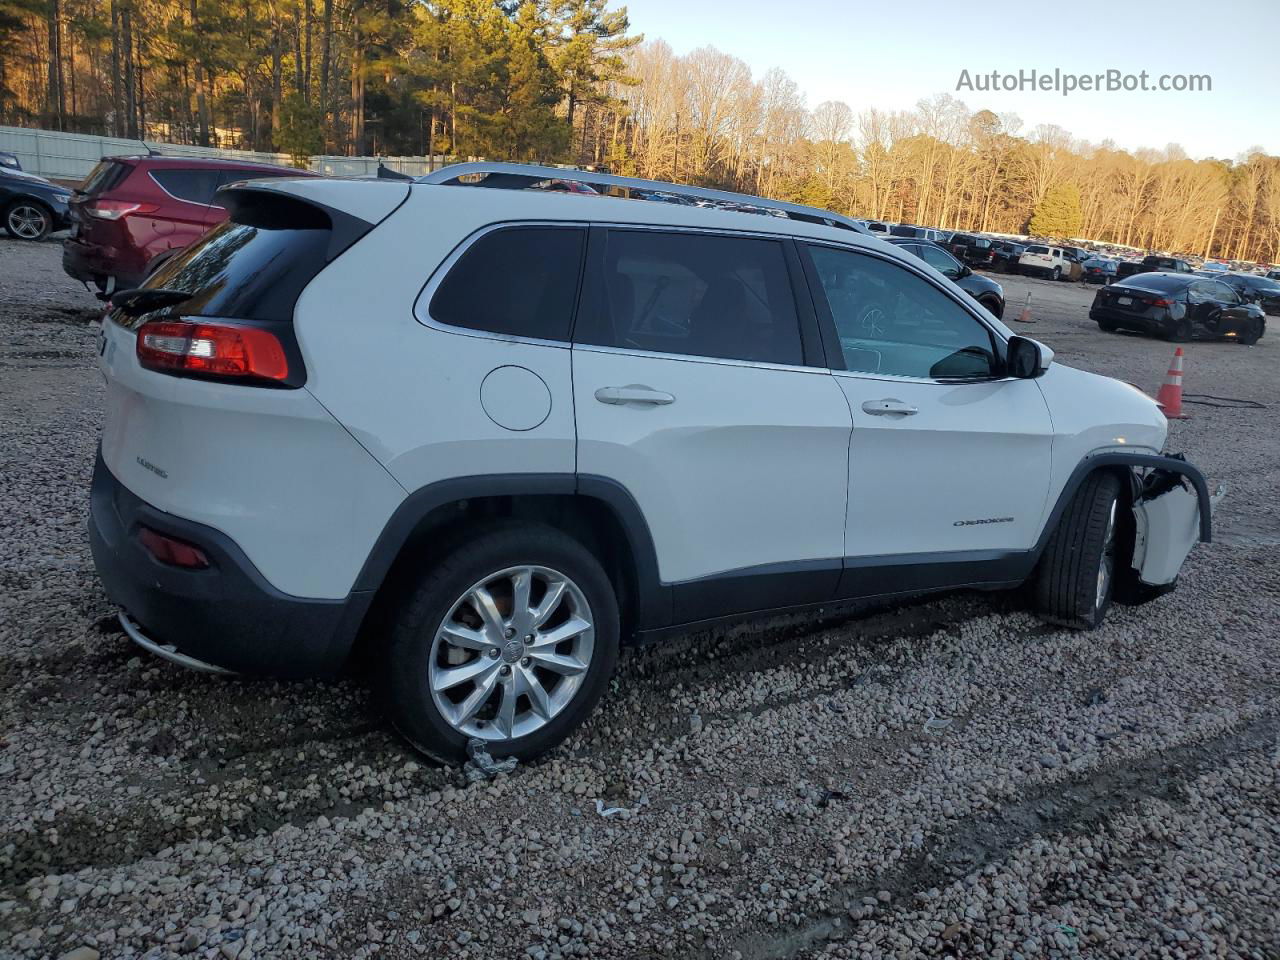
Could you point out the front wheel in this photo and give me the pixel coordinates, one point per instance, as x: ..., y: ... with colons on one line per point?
x: 1057, y: 273
x: 510, y: 639
x: 1253, y: 332
x: 1074, y: 582
x: 26, y: 220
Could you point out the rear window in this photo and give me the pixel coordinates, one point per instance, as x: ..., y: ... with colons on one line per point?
x: 1037, y: 249
x: 901, y: 231
x: 250, y: 267
x: 1156, y: 281
x: 106, y: 175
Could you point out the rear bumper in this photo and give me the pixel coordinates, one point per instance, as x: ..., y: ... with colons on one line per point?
x: 88, y: 263
x: 226, y: 616
x: 1130, y: 321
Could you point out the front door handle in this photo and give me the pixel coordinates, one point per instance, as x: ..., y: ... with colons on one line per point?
x: 634, y: 393
x: 888, y: 407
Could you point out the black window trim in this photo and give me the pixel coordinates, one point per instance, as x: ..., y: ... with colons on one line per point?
x: 812, y: 347
x: 422, y: 304
x: 831, y: 339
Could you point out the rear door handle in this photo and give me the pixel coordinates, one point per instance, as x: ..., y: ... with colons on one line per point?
x: 887, y: 407
x: 634, y: 393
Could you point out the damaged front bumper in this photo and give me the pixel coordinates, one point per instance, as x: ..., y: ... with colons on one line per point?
x: 1172, y: 509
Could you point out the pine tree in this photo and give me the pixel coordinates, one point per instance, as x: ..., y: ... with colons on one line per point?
x: 1059, y: 213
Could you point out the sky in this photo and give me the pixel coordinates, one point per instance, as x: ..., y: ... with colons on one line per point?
x: 889, y: 55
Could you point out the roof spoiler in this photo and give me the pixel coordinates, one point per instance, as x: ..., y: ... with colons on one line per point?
x: 521, y: 176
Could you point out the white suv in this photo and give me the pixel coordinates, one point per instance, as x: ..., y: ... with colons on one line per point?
x: 485, y: 435
x: 1053, y: 262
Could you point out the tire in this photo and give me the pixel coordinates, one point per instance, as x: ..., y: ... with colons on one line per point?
x: 1179, y: 331
x: 418, y: 657
x: 27, y: 220
x: 994, y: 305
x: 1057, y: 273
x: 1076, y: 576
x: 1253, y: 333
x: 1107, y: 326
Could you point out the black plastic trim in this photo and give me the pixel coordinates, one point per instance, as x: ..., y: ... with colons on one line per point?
x: 1141, y: 460
x: 764, y: 587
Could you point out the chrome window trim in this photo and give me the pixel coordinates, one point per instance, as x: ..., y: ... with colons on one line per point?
x: 165, y: 190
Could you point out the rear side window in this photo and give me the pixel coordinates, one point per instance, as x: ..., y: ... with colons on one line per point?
x: 250, y: 267
x: 702, y: 295
x: 1037, y: 249
x: 520, y: 282
x: 193, y: 186
x: 107, y: 175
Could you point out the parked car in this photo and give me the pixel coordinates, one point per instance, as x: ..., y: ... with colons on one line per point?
x: 1178, y: 307
x: 1156, y: 264
x: 1006, y: 256
x: 1099, y: 270
x: 31, y: 207
x: 1039, y: 259
x: 983, y: 289
x: 131, y: 214
x: 1210, y: 266
x: 918, y: 233
x: 1255, y: 289
x: 972, y: 251
x: 492, y: 487
x: 876, y: 227
x: 1077, y: 254
x: 1273, y: 274
x: 1127, y: 268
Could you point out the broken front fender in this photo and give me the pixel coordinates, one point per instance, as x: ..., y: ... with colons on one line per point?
x: 1171, y: 511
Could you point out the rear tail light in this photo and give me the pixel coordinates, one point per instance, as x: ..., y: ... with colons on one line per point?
x: 212, y: 350
x: 171, y: 550
x: 115, y: 209
x: 1158, y: 302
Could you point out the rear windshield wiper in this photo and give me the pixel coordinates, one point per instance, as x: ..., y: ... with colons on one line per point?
x: 142, y: 299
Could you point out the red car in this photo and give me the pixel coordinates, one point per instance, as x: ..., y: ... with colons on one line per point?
x: 133, y: 213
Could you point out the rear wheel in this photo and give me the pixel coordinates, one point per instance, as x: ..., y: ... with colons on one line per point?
x: 1057, y: 273
x: 510, y: 639
x: 27, y: 220
x: 1074, y: 582
x: 1108, y: 326
x: 1179, y: 331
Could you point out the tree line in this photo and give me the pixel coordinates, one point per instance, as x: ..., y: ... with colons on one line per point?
x: 569, y: 81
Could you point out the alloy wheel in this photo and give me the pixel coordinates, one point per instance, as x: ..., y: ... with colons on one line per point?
x: 1107, y: 562
x: 26, y: 221
x: 511, y: 653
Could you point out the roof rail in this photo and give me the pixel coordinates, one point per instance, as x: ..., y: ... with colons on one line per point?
x: 519, y: 176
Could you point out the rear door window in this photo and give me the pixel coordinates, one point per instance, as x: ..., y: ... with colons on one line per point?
x: 1037, y: 249
x: 701, y: 295
x: 193, y: 186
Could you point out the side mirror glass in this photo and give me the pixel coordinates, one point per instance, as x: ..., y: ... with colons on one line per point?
x: 1025, y: 359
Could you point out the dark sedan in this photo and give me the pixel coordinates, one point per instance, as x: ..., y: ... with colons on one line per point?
x: 1254, y: 289
x: 31, y: 207
x: 1178, y: 307
x: 983, y: 289
x: 1099, y: 270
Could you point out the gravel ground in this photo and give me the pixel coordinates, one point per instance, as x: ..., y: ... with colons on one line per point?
x: 779, y: 790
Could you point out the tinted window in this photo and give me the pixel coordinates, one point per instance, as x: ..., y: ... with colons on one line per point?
x: 891, y: 321
x: 1221, y: 292
x: 1157, y: 281
x: 696, y: 294
x: 522, y: 282
x: 901, y: 231
x: 1037, y: 249
x: 194, y: 186
x: 103, y: 177
x: 251, y: 267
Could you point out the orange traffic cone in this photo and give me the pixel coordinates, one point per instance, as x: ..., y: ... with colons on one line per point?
x: 1025, y: 315
x: 1170, y: 396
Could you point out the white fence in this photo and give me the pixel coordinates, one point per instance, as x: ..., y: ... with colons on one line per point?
x: 70, y: 156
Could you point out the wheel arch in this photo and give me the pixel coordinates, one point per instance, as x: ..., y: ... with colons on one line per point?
x: 1123, y: 465
x: 600, y: 513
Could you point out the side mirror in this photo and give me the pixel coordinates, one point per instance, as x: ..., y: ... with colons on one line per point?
x: 1026, y: 358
